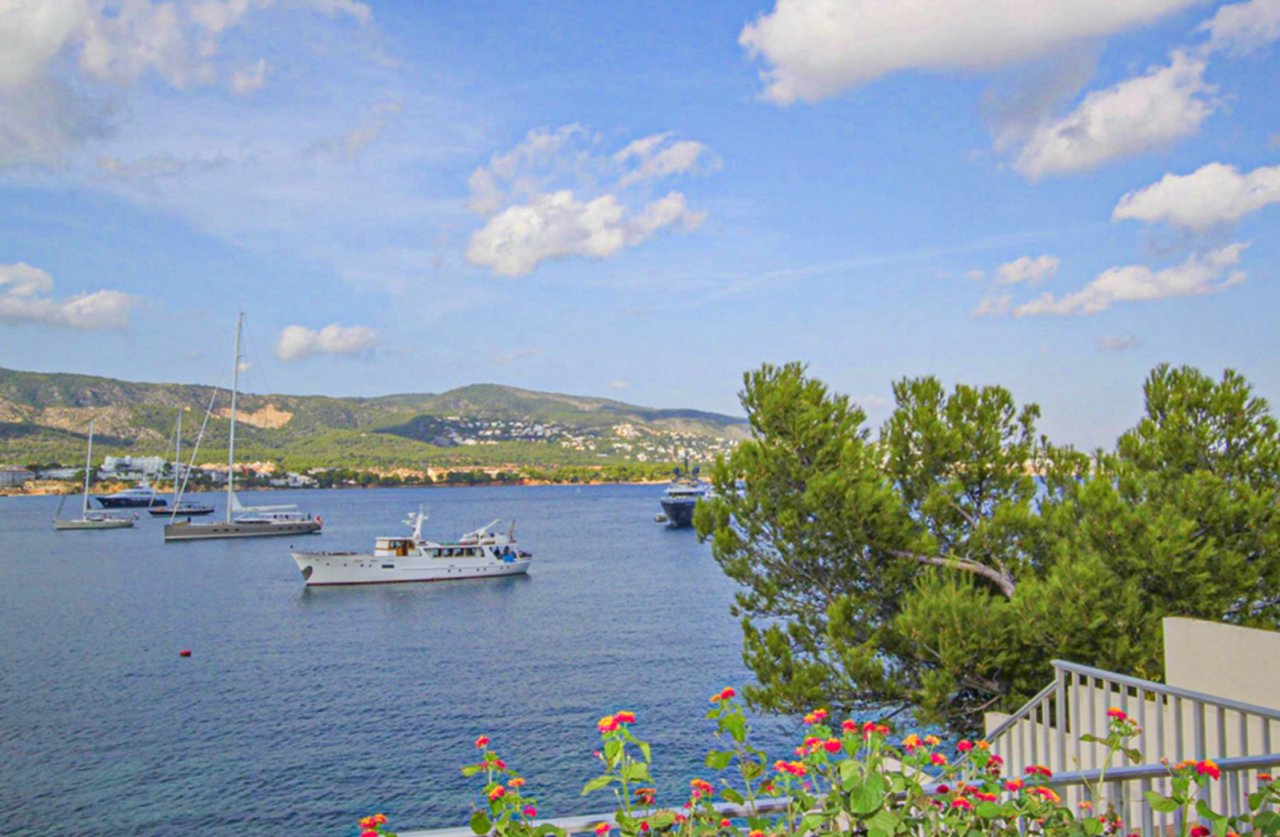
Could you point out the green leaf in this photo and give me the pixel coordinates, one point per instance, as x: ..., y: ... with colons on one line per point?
x: 480, y: 823
x: 612, y: 749
x: 736, y: 726
x: 850, y: 774
x: 1268, y: 822
x: 869, y: 796
x: 662, y: 819
x: 547, y: 828
x: 731, y: 795
x: 471, y: 770
x: 1161, y: 803
x: 719, y: 759
x: 1256, y: 799
x: 596, y: 784
x: 884, y: 824
x: 645, y: 751
x: 637, y: 771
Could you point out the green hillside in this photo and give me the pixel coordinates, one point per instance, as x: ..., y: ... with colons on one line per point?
x: 43, y: 418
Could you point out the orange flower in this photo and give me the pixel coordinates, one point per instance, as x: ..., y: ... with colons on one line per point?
x: 702, y: 787
x: 815, y: 716
x: 482, y: 742
x: 645, y: 796
x: 832, y: 745
x: 379, y: 819
x: 1264, y: 777
x: 1016, y: 784
x: 1048, y: 793
x: 725, y: 823
x: 497, y: 793
x: 911, y: 742
x: 517, y: 782
x: 724, y: 694
x: 932, y: 740
x: 1038, y: 770
x: 984, y: 745
x: 602, y: 828
x: 625, y: 717
x: 985, y: 797
x: 938, y: 759
x: 962, y: 804
x: 608, y: 723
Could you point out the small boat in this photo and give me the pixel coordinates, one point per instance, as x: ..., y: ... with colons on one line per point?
x: 180, y: 507
x: 141, y: 497
x: 483, y: 553
x: 682, y: 496
x: 90, y: 519
x: 185, y: 508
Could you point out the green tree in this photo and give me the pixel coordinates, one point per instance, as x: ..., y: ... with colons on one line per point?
x: 929, y: 569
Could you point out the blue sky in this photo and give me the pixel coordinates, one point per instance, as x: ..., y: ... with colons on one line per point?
x: 644, y: 200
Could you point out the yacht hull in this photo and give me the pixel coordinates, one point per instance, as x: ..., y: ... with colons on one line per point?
x: 186, y: 531
x: 109, y: 502
x: 72, y: 525
x: 321, y: 569
x: 679, y: 512
x: 182, y: 511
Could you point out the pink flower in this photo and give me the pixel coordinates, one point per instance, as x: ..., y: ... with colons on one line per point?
x: 625, y: 717
x: 964, y: 746
x: 832, y: 745
x: 497, y: 793
x: 962, y: 804
x: 602, y: 828
x: 1199, y: 831
x: 482, y: 742
x: 530, y: 811
x: 938, y: 759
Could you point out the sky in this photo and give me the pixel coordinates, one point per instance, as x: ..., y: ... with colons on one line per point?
x: 642, y: 201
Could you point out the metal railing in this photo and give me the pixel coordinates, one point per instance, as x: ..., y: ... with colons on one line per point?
x: 1175, y: 724
x: 1234, y: 772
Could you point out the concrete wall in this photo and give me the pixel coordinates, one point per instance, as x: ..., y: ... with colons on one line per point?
x: 1223, y: 660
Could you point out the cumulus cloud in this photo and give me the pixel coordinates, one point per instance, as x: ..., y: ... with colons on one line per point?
x: 26, y: 297
x: 64, y: 64
x: 1211, y: 195
x: 1198, y: 275
x: 1134, y: 116
x: 554, y: 196
x: 244, y: 82
x: 1117, y: 344
x: 994, y: 305
x: 298, y: 342
x: 814, y: 49
x: 1244, y: 27
x: 1027, y: 269
x: 558, y: 225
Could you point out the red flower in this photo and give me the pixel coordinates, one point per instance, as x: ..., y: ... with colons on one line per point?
x: 644, y: 826
x: 964, y: 746
x: 645, y: 796
x: 942, y: 789
x: 848, y: 726
x: 608, y: 723
x: 1264, y: 777
x: 497, y: 793
x: 938, y: 759
x: 1118, y: 714
x: 725, y: 824
x: 500, y: 764
x: 1208, y: 768
x: 517, y: 782
x: 625, y: 717
x: 530, y: 811
x: 832, y: 745
x: 369, y: 833
x: 602, y: 828
x: 1039, y: 770
x: 815, y: 716
x: 1199, y: 831
x: 985, y: 797
x: 482, y: 742
x: 1016, y: 784
x: 702, y: 787
x: 962, y: 804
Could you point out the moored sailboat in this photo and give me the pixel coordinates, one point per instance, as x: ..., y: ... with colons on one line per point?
x: 90, y: 519
x: 243, y: 521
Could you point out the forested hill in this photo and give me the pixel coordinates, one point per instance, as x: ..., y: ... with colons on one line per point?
x: 43, y: 418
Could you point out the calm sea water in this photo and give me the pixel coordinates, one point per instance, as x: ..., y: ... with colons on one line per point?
x: 301, y: 710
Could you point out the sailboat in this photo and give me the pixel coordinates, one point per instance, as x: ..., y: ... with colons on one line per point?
x: 180, y: 507
x: 88, y: 519
x: 243, y: 521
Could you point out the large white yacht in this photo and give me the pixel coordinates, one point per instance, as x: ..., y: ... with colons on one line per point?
x: 479, y: 554
x: 140, y: 497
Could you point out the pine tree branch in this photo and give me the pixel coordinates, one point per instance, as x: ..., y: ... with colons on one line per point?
x: 1003, y: 580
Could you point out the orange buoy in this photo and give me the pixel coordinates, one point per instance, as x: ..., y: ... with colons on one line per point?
x: 185, y: 652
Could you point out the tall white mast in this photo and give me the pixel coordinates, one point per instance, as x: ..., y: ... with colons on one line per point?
x: 231, y: 445
x: 177, y: 457
x: 88, y: 463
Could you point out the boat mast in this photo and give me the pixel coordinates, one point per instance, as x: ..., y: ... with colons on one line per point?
x: 231, y: 445
x: 177, y: 456
x: 88, y: 462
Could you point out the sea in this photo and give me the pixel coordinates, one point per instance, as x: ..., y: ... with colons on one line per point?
x: 300, y: 710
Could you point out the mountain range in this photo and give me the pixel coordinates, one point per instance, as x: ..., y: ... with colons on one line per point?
x: 44, y: 418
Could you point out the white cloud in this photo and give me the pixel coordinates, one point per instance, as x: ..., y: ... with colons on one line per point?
x: 558, y: 225
x: 814, y: 49
x: 65, y: 65
x: 619, y: 385
x: 1134, y: 116
x: 1211, y: 195
x: 1117, y: 344
x: 1196, y: 276
x: 25, y: 298
x: 1244, y: 27
x: 553, y: 196
x: 155, y: 166
x: 995, y: 305
x: 1027, y: 269
x: 355, y: 142
x: 297, y: 342
x: 244, y: 82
